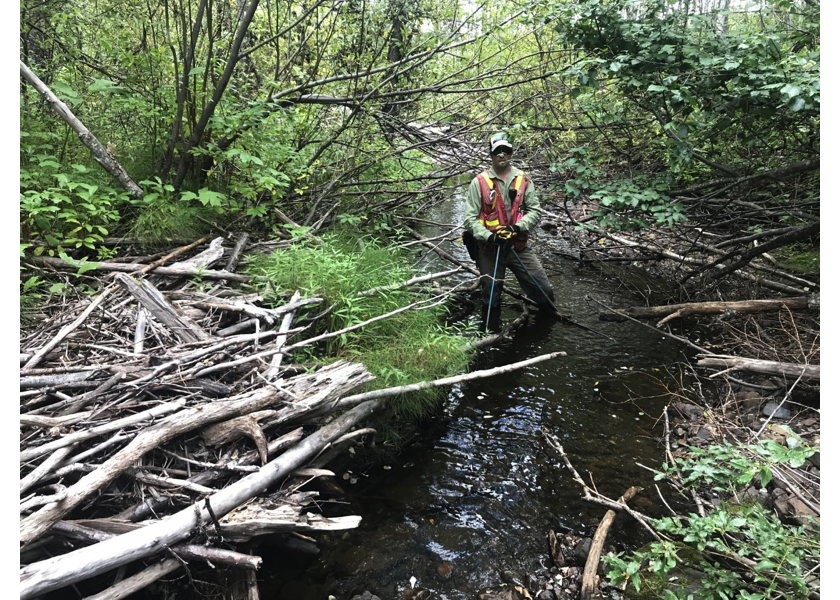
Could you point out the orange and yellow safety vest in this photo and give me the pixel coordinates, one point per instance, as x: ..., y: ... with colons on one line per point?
x: 493, y: 212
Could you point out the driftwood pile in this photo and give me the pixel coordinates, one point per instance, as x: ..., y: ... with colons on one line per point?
x: 146, y: 402
x: 159, y: 425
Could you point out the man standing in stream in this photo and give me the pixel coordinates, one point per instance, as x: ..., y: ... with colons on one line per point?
x: 502, y: 209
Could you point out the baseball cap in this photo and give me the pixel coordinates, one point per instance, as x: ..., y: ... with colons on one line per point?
x: 499, y: 140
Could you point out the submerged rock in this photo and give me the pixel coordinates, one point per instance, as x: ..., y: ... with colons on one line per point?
x: 500, y: 592
x: 365, y: 596
x: 781, y: 413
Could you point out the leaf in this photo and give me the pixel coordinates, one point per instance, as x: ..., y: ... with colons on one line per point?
x: 765, y: 565
x: 656, y: 88
x: 766, y: 476
x: 65, y: 92
x: 105, y: 85
x: 210, y: 197
x: 196, y: 71
x: 731, y: 64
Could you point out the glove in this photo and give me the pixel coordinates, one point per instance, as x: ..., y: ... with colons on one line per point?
x: 501, y: 238
x: 508, y: 231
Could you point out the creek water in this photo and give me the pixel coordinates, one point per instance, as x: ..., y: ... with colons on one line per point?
x: 477, y: 491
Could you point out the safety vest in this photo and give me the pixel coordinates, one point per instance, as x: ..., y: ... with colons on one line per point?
x: 493, y: 212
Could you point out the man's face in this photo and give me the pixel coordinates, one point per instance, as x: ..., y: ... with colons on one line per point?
x: 500, y: 157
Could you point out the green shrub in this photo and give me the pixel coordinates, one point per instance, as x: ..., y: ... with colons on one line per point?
x: 410, y: 347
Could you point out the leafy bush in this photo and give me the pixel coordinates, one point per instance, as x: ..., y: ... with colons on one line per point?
x: 63, y: 206
x: 753, y: 544
x: 623, y: 203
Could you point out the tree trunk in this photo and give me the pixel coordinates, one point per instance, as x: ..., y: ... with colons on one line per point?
x: 100, y: 153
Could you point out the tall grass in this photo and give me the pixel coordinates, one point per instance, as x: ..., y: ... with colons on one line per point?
x: 410, y: 347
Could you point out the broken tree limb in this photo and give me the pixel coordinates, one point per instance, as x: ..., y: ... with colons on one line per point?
x: 233, y: 261
x: 63, y: 264
x: 705, y: 308
x: 79, y: 436
x: 670, y: 335
x: 410, y: 282
x: 746, y: 256
x: 249, y: 425
x: 43, y: 351
x: 255, y: 519
x: 425, y: 385
x: 59, y: 263
x: 82, y: 530
x: 587, y: 586
x: 182, y: 422
x: 60, y: 571
x: 204, y: 258
x: 152, y: 300
x: 277, y: 359
x: 42, y: 470
x: 144, y: 509
x: 765, y: 367
x: 592, y: 495
x: 773, y: 285
x: 138, y: 581
x: 140, y: 330
x: 100, y: 153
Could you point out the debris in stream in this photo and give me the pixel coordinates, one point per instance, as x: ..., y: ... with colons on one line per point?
x: 152, y: 400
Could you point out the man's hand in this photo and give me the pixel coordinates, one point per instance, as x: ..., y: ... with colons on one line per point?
x: 508, y: 231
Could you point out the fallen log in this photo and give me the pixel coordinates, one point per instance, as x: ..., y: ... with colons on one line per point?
x: 672, y: 311
x: 321, y: 385
x: 587, y: 586
x: 152, y: 300
x: 765, y: 367
x: 58, y: 263
x: 100, y: 153
x: 60, y: 571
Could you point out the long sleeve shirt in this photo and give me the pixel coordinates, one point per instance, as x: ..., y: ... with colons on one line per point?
x: 532, y: 212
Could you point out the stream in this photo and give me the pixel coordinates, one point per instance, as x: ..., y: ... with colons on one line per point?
x: 477, y: 491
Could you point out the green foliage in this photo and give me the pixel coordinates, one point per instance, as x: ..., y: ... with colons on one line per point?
x: 714, y: 82
x: 406, y: 348
x: 163, y: 215
x: 624, y: 203
x: 63, y: 205
x: 746, y: 531
x: 725, y: 465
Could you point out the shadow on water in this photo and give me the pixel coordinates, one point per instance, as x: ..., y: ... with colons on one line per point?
x: 478, y: 492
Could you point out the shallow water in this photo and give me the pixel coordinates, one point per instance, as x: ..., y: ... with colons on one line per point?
x: 477, y: 491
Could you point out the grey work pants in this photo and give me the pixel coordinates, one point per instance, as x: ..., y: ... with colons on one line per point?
x: 486, y: 262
